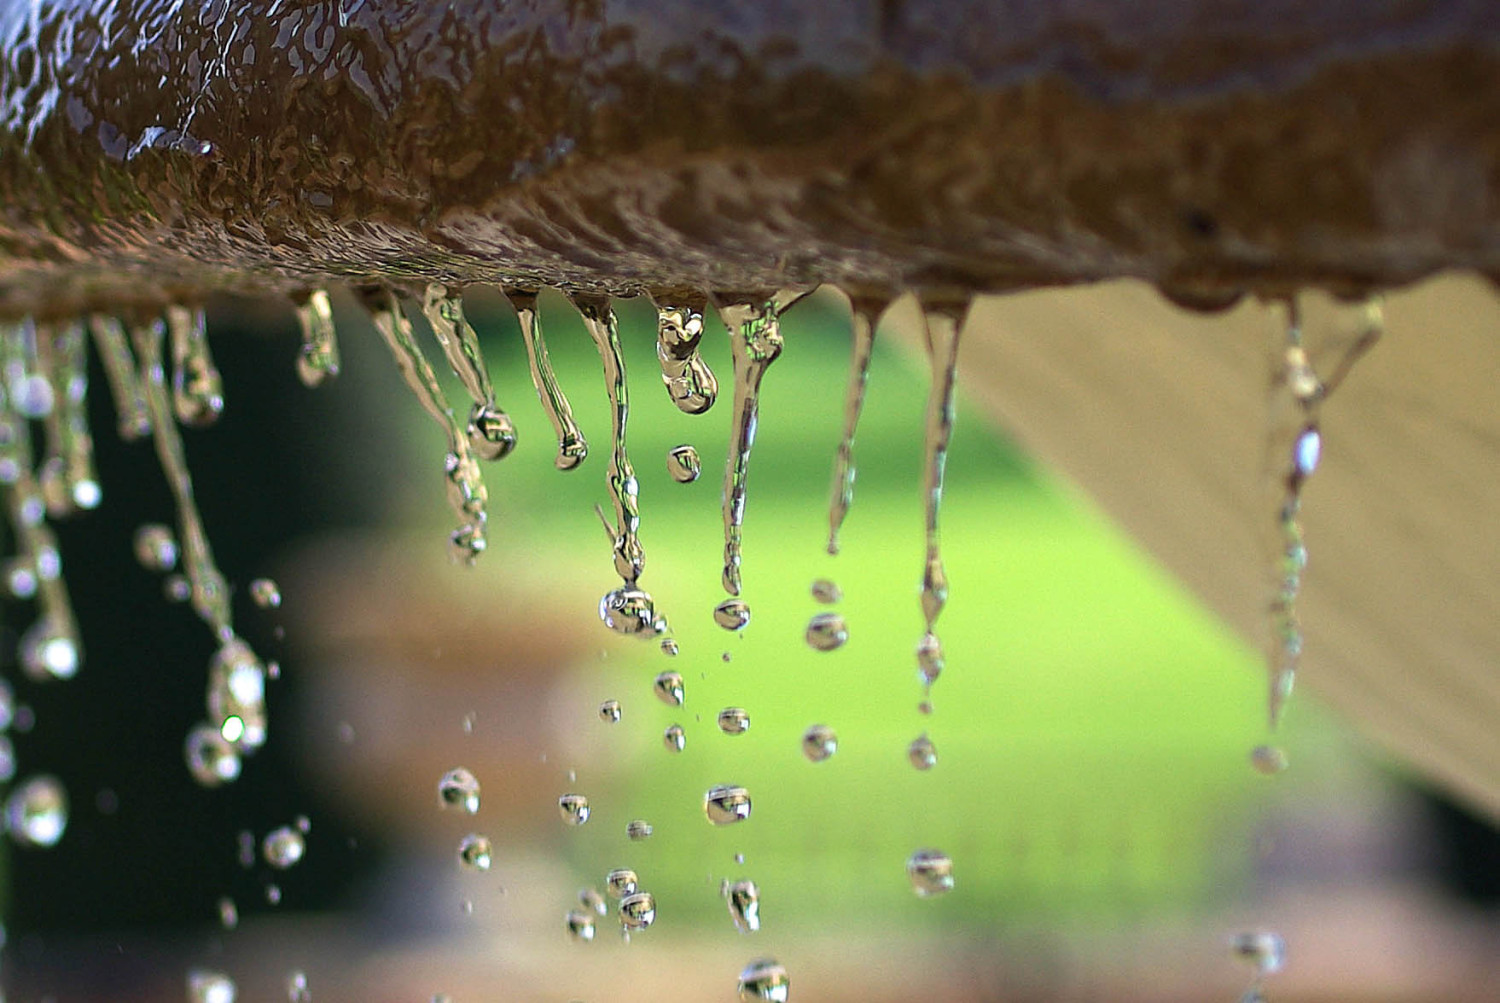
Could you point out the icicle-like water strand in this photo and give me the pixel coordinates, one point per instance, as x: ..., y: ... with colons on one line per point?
x: 50, y: 648
x: 197, y: 390
x: 864, y: 316
x: 690, y: 383
x: 466, y: 492
x: 318, y: 358
x: 943, y: 323
x: 1296, y: 444
x: 572, y: 447
x: 491, y: 432
x: 754, y: 322
x: 66, y: 474
x: 113, y: 346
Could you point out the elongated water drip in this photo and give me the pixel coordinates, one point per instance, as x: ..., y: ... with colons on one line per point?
x: 864, y: 316
x: 490, y: 430
x: 572, y: 447
x: 197, y: 390
x: 70, y: 462
x: 466, y: 492
x: 689, y: 381
x: 110, y: 341
x: 318, y: 358
x: 943, y: 323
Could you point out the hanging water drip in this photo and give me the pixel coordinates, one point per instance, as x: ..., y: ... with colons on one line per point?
x: 690, y: 382
x: 571, y: 445
x: 197, y: 390
x: 113, y: 347
x: 491, y: 432
x: 66, y: 475
x: 864, y: 316
x: 318, y: 356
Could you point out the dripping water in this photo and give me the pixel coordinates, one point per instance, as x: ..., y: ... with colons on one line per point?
x: 571, y: 445
x: 865, y: 314
x: 197, y: 390
x: 113, y: 347
x: 491, y: 432
x: 689, y: 381
x: 318, y: 358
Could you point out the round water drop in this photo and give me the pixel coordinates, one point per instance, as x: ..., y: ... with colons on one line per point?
x: 922, y: 753
x: 827, y: 631
x: 668, y: 688
x: 732, y: 614
x: 931, y: 872
x: 1262, y: 948
x: 734, y: 721
x: 683, y: 464
x: 669, y: 647
x: 296, y: 988
x: 283, y: 847
x: 726, y: 804
x: 491, y: 432
x: 826, y: 591
x: 929, y: 658
x: 265, y: 593
x: 229, y: 913
x: 590, y: 899
x: 637, y: 911
x: 1268, y: 759
x: 20, y: 578
x: 474, y: 852
x: 674, y: 738
x: 49, y: 651
x: 574, y: 808
x: 273, y: 894
x: 819, y: 743
x: 764, y: 979
x: 210, y: 987
x: 177, y: 588
x: 629, y: 610
x: 580, y: 925
x: 638, y: 829
x: 620, y: 882
x: 459, y: 789
x: 37, y: 812
x: 743, y: 900
x: 211, y: 758
x: 609, y: 711
x: 1306, y: 452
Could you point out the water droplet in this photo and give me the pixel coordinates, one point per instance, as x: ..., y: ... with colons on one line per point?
x: 491, y: 432
x: 732, y: 614
x: 210, y: 987
x: 931, y: 872
x: 245, y: 842
x: 1306, y: 452
x: 620, y: 882
x: 726, y: 657
x: 689, y: 381
x: 474, y: 852
x: 197, y: 390
x: 734, y: 721
x: 265, y: 593
x: 273, y: 894
x: 49, y: 649
x: 826, y: 591
x: 668, y: 688
x: 942, y: 327
x: 580, y: 925
x: 459, y: 789
x: 726, y: 804
x: 674, y: 738
x: 211, y: 758
x: 669, y: 647
x: 683, y: 464
x: 638, y: 911
x: 1263, y: 949
x: 639, y: 829
x: 827, y: 631
x: 237, y: 690
x: 229, y: 913
x: 574, y: 808
x: 929, y: 658
x: 864, y: 315
x: 819, y: 743
x: 764, y: 979
x: 609, y: 711
x: 134, y: 416
x: 36, y: 813
x: 1268, y: 759
x: 571, y: 445
x: 629, y: 610
x: 177, y: 588
x: 20, y: 577
x: 743, y: 900
x: 922, y: 753
x: 590, y: 899
x: 296, y: 988
x: 283, y: 847
x: 7, y: 705
x: 318, y: 358
x: 303, y: 824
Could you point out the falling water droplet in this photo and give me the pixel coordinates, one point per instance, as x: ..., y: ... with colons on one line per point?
x: 36, y: 813
x: 273, y: 894
x: 674, y: 738
x: 764, y: 980
x: 637, y: 911
x: 638, y: 829
x: 669, y: 647
x: 929, y: 658
x: 864, y: 315
x: 827, y: 631
x: 176, y: 588
x: 621, y: 882
x: 283, y: 847
x: 1268, y: 759
x: 590, y: 899
x: 265, y: 593
x: 229, y: 913
x: 237, y: 692
x: 49, y: 649
x: 726, y: 804
x: 743, y: 899
x: 732, y: 614
x: 133, y: 414
x: 922, y: 753
x: 819, y: 742
x: 943, y: 326
x: 931, y: 873
x: 1263, y: 949
x: 155, y: 547
x: 574, y: 808
x: 459, y: 789
x: 318, y: 358
x: 580, y: 925
x: 211, y: 758
x: 629, y: 610
x: 734, y: 721
x: 683, y: 464
x: 296, y: 988
x: 474, y: 852
x: 609, y: 711
x: 197, y: 390
x: 571, y: 445
x: 491, y: 432
x: 669, y: 688
x: 210, y: 987
x: 826, y: 591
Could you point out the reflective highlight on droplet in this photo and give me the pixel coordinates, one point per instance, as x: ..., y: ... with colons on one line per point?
x: 459, y: 789
x: 732, y: 614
